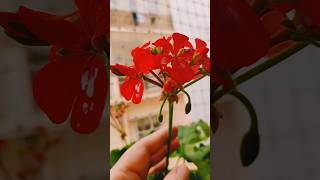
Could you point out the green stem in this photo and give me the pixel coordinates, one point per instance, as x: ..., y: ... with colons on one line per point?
x: 246, y: 102
x: 160, y: 116
x: 261, y: 68
x: 157, y: 77
x: 152, y: 81
x: 192, y: 82
x: 169, y: 134
x: 187, y: 94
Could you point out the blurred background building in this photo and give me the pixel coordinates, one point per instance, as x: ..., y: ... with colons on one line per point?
x: 135, y: 22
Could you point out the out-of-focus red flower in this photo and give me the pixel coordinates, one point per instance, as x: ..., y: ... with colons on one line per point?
x: 306, y: 8
x: 272, y: 22
x: 14, y: 27
x: 132, y: 88
x: 76, y: 82
x: 239, y: 38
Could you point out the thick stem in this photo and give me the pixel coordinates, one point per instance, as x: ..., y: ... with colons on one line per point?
x: 260, y: 68
x: 169, y: 134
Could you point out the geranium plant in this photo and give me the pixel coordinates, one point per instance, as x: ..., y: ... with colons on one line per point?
x: 174, y: 64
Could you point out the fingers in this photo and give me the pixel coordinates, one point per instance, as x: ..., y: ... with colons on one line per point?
x: 158, y: 167
x: 163, y: 151
x: 157, y: 140
x: 181, y: 172
x: 143, y: 154
x: 158, y: 161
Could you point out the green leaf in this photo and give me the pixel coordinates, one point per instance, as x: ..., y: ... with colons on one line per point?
x: 193, y: 148
x: 195, y: 133
x: 251, y: 142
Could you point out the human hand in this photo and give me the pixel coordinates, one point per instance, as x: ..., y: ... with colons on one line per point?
x: 147, y: 156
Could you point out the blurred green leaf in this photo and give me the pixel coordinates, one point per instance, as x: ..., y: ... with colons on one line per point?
x: 192, y: 140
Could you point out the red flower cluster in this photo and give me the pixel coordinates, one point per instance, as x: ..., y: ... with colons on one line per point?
x: 175, y: 60
x: 75, y: 80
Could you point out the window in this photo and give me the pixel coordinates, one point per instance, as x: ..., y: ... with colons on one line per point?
x: 147, y: 125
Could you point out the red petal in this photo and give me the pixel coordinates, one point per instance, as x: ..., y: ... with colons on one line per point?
x: 181, y: 71
x: 180, y: 41
x: 138, y: 91
x: 89, y: 106
x: 56, y: 85
x: 125, y: 70
x: 272, y: 22
x: 143, y: 60
x: 200, y: 43
x: 56, y: 31
x: 164, y: 44
x: 127, y: 88
x: 15, y: 28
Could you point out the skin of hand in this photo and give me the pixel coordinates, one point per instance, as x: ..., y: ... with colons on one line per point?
x: 147, y: 157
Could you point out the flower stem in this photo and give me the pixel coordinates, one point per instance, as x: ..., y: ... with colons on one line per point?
x: 157, y: 77
x: 152, y: 81
x: 192, y: 82
x: 261, y: 68
x: 169, y: 134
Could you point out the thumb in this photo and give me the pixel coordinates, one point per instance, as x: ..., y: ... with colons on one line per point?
x: 181, y: 172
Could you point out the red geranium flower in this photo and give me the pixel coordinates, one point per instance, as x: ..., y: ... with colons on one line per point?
x: 144, y: 62
x: 132, y: 88
x: 175, y: 60
x: 77, y: 82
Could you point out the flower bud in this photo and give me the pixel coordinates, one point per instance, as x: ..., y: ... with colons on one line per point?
x: 188, y: 108
x: 160, y: 117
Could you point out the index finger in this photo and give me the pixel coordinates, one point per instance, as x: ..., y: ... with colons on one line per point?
x: 154, y: 142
